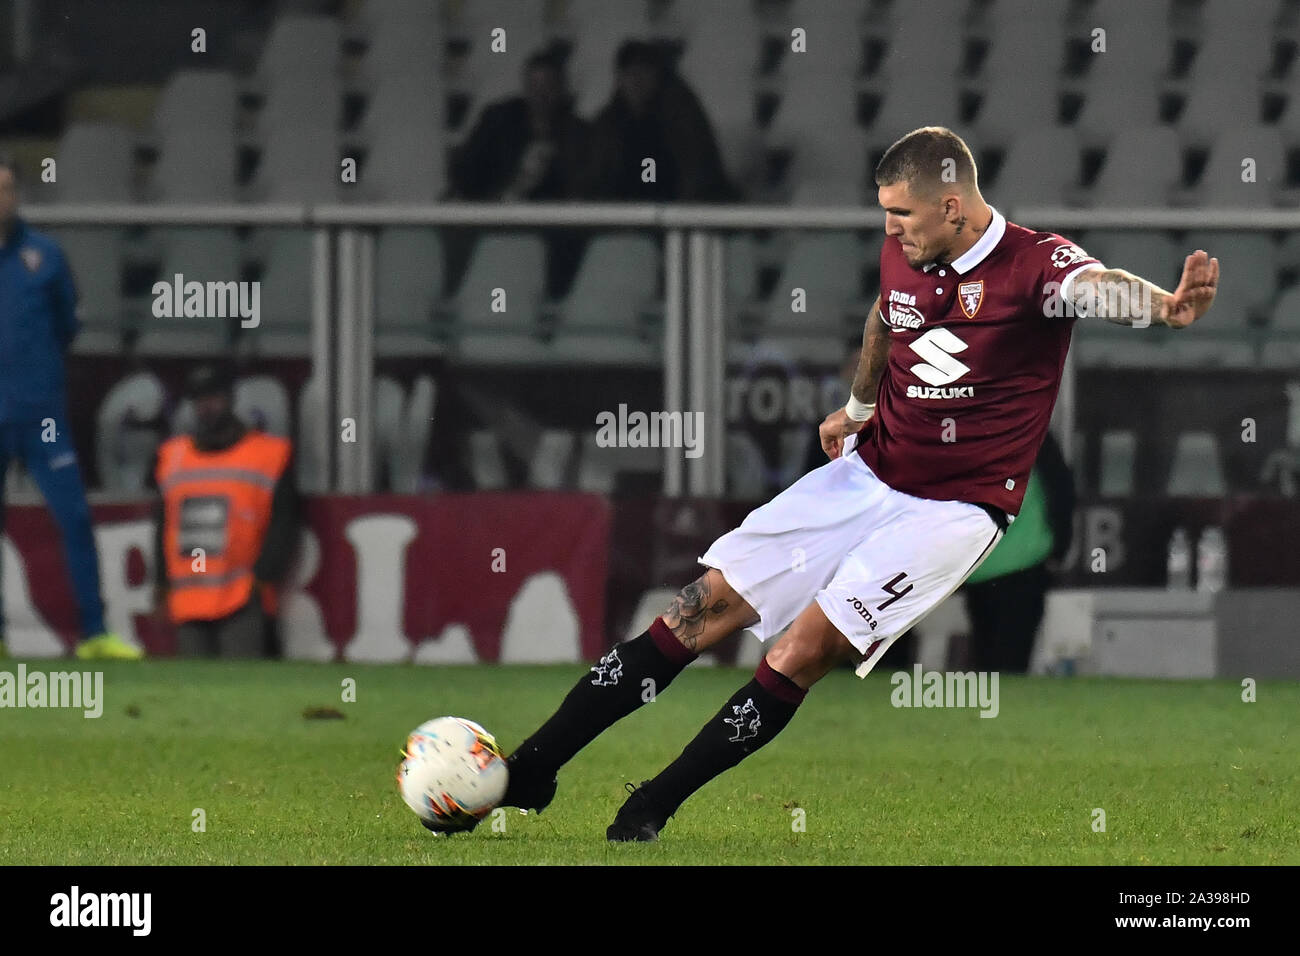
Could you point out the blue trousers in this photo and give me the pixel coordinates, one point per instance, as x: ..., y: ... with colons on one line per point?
x: 53, y: 466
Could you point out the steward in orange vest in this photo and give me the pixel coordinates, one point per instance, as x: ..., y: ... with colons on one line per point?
x: 228, y: 523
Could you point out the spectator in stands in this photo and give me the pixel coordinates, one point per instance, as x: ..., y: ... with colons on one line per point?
x: 226, y: 526
x: 527, y: 147
x: 37, y: 325
x: 653, y: 114
x: 1006, y: 596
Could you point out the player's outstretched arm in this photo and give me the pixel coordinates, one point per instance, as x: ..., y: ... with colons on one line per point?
x: 871, y: 365
x: 1121, y: 297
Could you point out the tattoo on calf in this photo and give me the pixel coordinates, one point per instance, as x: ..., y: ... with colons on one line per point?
x: 688, y: 615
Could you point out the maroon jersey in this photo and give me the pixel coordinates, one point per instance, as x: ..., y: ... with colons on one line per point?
x: 978, y: 346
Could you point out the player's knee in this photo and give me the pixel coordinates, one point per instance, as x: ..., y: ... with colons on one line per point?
x: 810, y: 649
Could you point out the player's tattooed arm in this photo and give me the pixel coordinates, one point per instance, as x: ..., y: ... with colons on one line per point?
x: 688, y: 615
x: 1126, y: 299
x: 1117, y: 296
x: 875, y: 351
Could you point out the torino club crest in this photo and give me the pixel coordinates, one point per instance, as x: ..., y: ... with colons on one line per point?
x: 971, y: 295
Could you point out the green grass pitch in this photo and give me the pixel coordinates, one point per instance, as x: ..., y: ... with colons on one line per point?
x: 1186, y: 772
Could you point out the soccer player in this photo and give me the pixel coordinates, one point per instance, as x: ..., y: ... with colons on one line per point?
x: 37, y: 324
x: 961, y: 362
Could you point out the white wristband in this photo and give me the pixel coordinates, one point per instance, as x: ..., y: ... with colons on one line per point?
x: 858, y: 411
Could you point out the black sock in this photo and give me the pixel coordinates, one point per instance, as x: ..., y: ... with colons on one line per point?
x: 615, y: 687
x: 755, y: 714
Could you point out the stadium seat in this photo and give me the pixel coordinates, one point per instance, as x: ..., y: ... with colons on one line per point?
x: 603, y: 318
x: 95, y: 163
x: 402, y: 427
x: 1197, y: 469
x: 827, y: 267
x: 746, y: 470
x: 1288, y: 121
x: 405, y: 38
x: 299, y: 164
x: 486, y: 466
x: 923, y: 33
x: 1247, y: 274
x: 1288, y: 253
x: 301, y: 44
x: 907, y: 106
x: 1118, y: 456
x: 1215, y: 94
x: 1040, y: 169
x: 95, y: 257
x: 195, y: 126
x: 403, y: 165
x: 408, y: 287
x: 515, y: 264
x: 124, y: 447
x: 1121, y: 88
x: 549, y: 465
x: 1142, y: 168
x: 1240, y: 33
x: 831, y: 174
x: 299, y: 74
x: 917, y: 77
x: 599, y: 468
x: 285, y: 328
x: 263, y: 402
x: 741, y: 268
x: 1021, y: 72
x: 1281, y: 348
x: 200, y: 255
x: 310, y: 456
x: 1221, y: 183
x: 834, y: 39
x: 407, y: 101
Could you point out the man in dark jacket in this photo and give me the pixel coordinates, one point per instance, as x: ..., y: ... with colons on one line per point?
x: 37, y: 324
x: 653, y: 114
x: 525, y: 147
x: 528, y: 147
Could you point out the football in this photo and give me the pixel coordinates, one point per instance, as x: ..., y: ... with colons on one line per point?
x: 452, y: 774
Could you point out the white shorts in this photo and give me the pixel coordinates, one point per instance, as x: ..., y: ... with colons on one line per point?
x: 876, y: 560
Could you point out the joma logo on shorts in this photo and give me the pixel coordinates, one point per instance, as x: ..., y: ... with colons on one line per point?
x: 862, y: 610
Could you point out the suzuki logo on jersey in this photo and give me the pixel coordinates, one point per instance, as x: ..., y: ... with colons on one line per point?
x: 937, y: 347
x: 971, y: 295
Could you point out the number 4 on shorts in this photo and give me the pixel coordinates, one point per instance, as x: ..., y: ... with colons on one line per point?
x: 891, y: 587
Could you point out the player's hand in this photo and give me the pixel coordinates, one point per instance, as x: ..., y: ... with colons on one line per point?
x: 837, y: 427
x: 1195, y: 292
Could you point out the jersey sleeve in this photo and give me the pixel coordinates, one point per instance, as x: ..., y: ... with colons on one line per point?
x: 1057, y: 263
